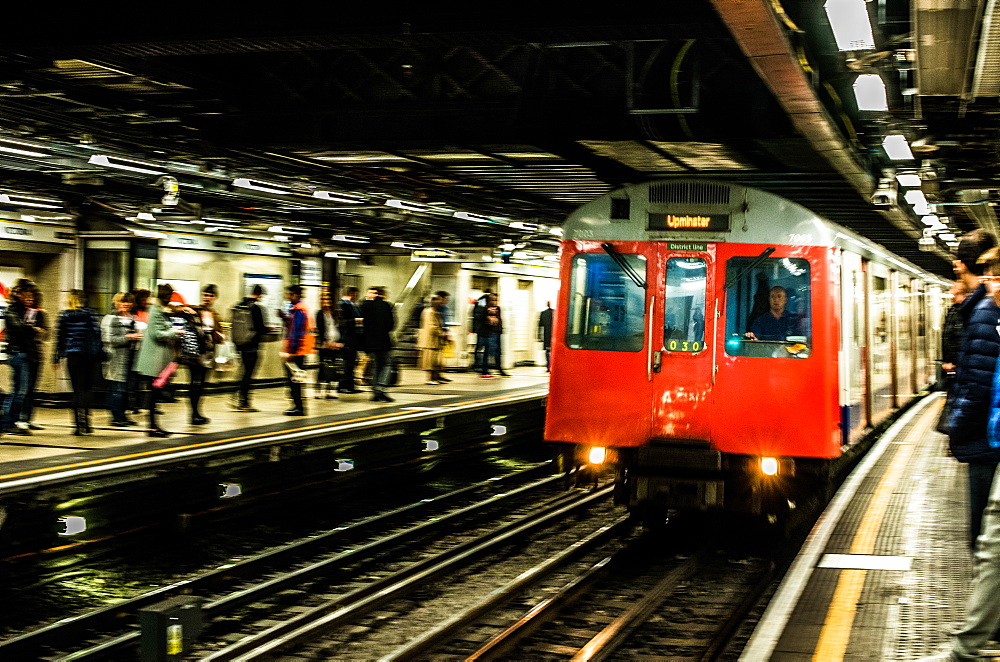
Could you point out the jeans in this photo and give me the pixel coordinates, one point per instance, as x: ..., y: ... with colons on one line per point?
x: 980, y: 480
x: 491, y: 350
x: 117, y: 397
x: 295, y: 388
x: 248, y: 357
x: 982, y: 611
x: 381, y: 370
x: 19, y: 403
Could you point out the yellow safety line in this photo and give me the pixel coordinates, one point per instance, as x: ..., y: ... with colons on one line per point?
x: 217, y: 442
x: 836, y: 632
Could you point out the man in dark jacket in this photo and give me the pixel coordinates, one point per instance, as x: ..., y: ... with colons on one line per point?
x: 249, y: 350
x: 970, y: 393
x: 545, y: 333
x: 351, y: 331
x: 379, y: 321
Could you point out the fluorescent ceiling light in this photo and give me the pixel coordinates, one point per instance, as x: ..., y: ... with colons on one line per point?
x: 911, y: 180
x: 342, y: 256
x: 21, y: 148
x: 466, y: 216
x: 338, y: 197
x: 852, y: 28
x: 352, y: 238
x: 403, y: 204
x: 145, y: 216
x: 930, y: 219
x: 126, y: 164
x: 403, y: 244
x: 520, y: 225
x: 947, y: 236
x: 556, y: 231
x: 551, y: 258
x: 916, y: 198
x: 229, y: 221
x: 869, y: 90
x: 264, y: 187
x: 30, y: 201
x: 281, y: 229
x: 897, y: 148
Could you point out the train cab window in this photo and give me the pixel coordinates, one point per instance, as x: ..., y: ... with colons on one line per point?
x: 684, y: 307
x: 768, y: 307
x: 606, y: 308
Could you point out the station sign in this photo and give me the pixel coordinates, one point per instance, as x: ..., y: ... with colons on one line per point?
x: 50, y: 234
x: 689, y: 222
x: 225, y: 245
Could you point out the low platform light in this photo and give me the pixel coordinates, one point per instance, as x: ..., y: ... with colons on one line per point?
x: 896, y: 147
x: 769, y: 466
x: 498, y: 430
x: 431, y: 445
x: 597, y: 455
x: 869, y: 90
x: 230, y: 490
x: 73, y: 525
x: 344, y: 465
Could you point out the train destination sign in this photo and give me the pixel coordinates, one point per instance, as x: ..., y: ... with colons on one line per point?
x: 689, y: 222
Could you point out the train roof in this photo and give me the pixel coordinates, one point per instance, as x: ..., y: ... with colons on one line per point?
x: 707, y: 211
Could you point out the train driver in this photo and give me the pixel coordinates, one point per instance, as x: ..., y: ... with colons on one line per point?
x: 774, y: 324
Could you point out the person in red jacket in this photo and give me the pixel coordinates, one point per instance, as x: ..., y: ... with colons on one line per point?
x: 297, y: 343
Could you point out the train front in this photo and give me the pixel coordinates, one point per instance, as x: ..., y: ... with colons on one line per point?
x: 695, y: 346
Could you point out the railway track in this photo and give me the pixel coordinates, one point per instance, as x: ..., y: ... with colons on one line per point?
x: 337, y: 553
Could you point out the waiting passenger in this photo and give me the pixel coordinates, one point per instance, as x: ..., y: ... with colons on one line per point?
x: 78, y: 340
x: 121, y: 336
x: 970, y: 404
x: 775, y: 324
x: 298, y: 342
x: 26, y: 328
x: 247, y: 329
x: 431, y: 338
x: 209, y: 331
x: 157, y: 351
x: 379, y: 321
x: 351, y: 336
x: 328, y: 343
x: 490, y: 330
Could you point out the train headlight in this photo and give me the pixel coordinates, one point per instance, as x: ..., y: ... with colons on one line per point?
x: 597, y: 455
x: 769, y: 466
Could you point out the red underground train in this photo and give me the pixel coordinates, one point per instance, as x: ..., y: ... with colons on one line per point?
x: 725, y: 348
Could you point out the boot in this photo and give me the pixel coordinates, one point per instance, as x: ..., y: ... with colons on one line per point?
x: 86, y: 422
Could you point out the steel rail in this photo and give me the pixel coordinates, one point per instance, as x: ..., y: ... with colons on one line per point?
x: 311, y: 624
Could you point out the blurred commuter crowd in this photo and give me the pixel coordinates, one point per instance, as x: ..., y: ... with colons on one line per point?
x: 138, y: 348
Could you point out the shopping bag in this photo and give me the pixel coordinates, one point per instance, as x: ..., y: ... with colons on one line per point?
x: 161, y: 380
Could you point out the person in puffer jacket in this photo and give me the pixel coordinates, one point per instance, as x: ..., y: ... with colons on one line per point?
x: 78, y: 340
x: 971, y: 390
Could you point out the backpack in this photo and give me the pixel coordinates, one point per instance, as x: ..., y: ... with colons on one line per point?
x: 241, y: 325
x: 193, y: 341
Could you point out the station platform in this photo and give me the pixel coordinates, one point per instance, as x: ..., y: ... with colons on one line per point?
x: 53, y: 455
x: 885, y: 572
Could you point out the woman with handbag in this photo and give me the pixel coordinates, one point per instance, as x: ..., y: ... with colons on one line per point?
x: 431, y: 338
x: 78, y: 340
x: 121, y: 335
x: 157, y: 352
x: 207, y: 329
x: 328, y: 341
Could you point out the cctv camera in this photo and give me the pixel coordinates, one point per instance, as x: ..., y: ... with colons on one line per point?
x: 882, y: 199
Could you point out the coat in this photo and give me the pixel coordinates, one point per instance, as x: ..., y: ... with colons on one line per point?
x: 21, y: 336
x: 351, y: 334
x: 431, y: 334
x: 970, y: 395
x: 299, y: 337
x: 77, y: 333
x: 379, y: 323
x: 158, y: 345
x: 120, y: 350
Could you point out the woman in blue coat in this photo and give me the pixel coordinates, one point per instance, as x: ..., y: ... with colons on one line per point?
x: 971, y: 391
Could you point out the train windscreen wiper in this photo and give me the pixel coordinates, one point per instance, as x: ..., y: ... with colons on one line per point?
x: 750, y: 267
x: 625, y: 266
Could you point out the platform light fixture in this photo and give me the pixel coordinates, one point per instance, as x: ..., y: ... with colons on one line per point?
x: 148, y: 234
x: 334, y: 196
x: 19, y: 200
x: 909, y: 180
x: 869, y: 90
x: 917, y: 200
x: 22, y: 148
x: 72, y: 525
x: 769, y: 466
x: 852, y: 27
x: 284, y: 229
x: 230, y: 490
x: 929, y: 219
x: 342, y: 256
x: 521, y: 225
x: 403, y: 204
x: 405, y: 245
x: 351, y: 238
x: 263, y: 187
x: 597, y: 455
x: 478, y: 218
x: 131, y: 165
x: 896, y: 147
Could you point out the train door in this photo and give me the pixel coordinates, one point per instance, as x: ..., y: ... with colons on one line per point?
x: 600, y: 388
x: 683, y: 323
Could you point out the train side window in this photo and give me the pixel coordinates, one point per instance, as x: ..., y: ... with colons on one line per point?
x: 684, y: 305
x: 607, y: 311
x: 768, y: 311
